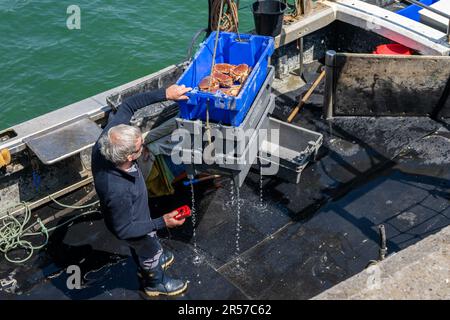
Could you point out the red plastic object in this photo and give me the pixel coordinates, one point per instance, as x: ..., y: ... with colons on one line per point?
x: 183, y: 212
x: 393, y: 48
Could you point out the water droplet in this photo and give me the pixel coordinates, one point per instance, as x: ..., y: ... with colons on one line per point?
x: 197, y: 259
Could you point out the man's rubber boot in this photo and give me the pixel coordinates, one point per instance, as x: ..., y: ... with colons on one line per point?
x: 165, y: 261
x: 156, y: 283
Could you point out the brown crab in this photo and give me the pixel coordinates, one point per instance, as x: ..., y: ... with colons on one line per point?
x: 224, y: 68
x: 223, y: 79
x: 240, y: 72
x: 233, y: 91
x: 208, y: 84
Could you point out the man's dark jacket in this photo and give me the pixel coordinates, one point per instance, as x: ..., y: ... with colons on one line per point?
x: 123, y: 195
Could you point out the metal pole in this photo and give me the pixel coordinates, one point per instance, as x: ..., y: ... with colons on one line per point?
x: 301, y: 56
x: 434, y: 11
x: 383, y: 248
x: 330, y: 62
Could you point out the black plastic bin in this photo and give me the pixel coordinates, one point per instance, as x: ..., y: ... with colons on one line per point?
x: 268, y: 16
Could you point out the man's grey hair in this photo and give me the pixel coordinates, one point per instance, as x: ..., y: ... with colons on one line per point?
x: 119, y: 142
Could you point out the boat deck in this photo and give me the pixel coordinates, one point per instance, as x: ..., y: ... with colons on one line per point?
x: 420, y: 272
x: 308, y: 238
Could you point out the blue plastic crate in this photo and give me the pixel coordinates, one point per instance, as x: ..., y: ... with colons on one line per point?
x: 412, y: 11
x: 253, y: 50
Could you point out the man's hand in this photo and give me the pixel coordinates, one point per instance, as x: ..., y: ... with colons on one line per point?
x: 170, y: 221
x: 176, y: 92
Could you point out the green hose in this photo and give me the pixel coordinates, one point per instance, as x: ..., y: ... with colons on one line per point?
x: 14, y: 230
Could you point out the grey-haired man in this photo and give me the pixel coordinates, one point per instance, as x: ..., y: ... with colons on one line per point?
x: 123, y: 194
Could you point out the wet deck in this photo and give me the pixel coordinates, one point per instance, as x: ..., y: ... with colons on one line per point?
x: 421, y: 271
x: 311, y: 236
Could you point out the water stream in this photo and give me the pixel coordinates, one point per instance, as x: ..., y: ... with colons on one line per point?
x: 261, y: 204
x: 238, y: 225
x: 196, y: 259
